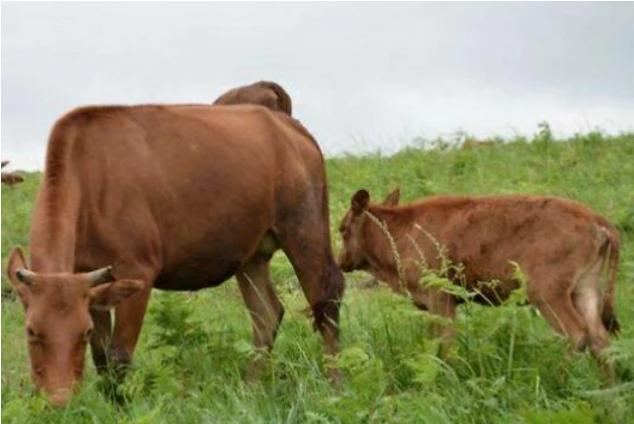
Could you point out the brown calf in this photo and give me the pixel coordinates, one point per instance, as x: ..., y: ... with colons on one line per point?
x: 264, y: 93
x: 568, y: 253
x: 243, y: 181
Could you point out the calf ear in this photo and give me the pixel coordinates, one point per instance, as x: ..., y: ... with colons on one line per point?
x: 393, y: 198
x: 17, y: 263
x: 107, y: 296
x: 360, y: 201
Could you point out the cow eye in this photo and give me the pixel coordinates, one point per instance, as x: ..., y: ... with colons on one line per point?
x: 32, y: 336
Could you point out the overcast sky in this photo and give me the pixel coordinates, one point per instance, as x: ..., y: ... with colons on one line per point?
x: 362, y: 77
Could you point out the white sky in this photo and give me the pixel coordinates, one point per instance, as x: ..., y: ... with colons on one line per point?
x: 362, y: 77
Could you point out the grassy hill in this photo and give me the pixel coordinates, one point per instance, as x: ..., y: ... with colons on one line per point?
x: 509, y: 365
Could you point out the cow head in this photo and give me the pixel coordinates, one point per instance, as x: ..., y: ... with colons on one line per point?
x: 58, y: 322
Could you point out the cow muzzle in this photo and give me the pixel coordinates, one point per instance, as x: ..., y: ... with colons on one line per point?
x: 60, y: 397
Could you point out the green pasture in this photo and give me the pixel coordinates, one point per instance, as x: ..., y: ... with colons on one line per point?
x: 508, y: 365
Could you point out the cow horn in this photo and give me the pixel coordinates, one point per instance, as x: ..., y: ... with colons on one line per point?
x: 25, y: 276
x: 100, y: 276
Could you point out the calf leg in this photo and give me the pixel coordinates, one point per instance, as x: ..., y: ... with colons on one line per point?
x: 419, y: 295
x: 587, y: 301
x: 397, y: 287
x: 444, y: 305
x: 555, y: 304
x: 436, y: 302
x: 264, y: 306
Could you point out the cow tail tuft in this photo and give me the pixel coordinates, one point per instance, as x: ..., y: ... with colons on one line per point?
x: 611, y: 249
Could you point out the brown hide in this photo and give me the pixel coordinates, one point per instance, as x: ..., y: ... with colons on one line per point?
x: 562, y: 247
x: 264, y: 93
x: 177, y: 198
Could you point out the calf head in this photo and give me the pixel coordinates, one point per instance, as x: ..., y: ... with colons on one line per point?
x: 353, y: 254
x: 58, y: 322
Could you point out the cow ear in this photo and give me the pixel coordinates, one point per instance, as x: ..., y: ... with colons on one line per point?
x: 107, y: 296
x: 393, y: 198
x: 360, y: 201
x: 16, y: 268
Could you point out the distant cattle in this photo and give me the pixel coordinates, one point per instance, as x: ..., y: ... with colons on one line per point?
x: 243, y: 181
x: 264, y: 93
x: 10, y: 178
x: 568, y: 254
x: 474, y: 144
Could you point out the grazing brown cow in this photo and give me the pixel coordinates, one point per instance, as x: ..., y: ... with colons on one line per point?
x: 568, y: 254
x: 264, y: 93
x: 10, y: 178
x: 176, y: 198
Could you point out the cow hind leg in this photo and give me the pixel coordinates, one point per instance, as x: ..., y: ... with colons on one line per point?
x: 264, y: 307
x: 307, y: 245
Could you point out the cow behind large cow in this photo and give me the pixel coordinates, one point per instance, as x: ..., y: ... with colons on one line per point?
x: 265, y: 93
x: 568, y: 253
x: 177, y: 198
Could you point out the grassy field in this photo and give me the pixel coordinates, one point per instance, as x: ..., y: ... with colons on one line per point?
x: 509, y: 366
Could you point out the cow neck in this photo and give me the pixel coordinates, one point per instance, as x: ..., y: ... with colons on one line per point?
x: 53, y: 231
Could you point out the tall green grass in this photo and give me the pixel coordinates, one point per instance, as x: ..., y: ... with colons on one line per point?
x: 508, y: 364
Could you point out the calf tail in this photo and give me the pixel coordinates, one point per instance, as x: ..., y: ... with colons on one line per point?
x: 611, y: 252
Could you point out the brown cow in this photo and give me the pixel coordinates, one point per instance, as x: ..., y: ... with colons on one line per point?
x: 243, y: 181
x: 568, y: 254
x: 264, y: 93
x: 10, y: 178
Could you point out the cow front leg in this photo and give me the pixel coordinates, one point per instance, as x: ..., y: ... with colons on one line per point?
x: 100, y: 339
x: 129, y: 316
